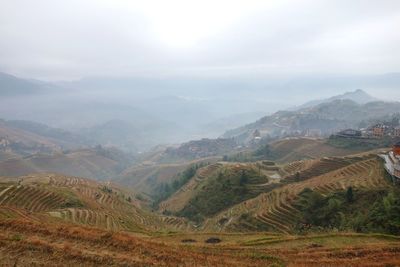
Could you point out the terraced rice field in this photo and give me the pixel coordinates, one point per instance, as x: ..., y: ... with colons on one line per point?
x: 30, y: 198
x: 274, y: 210
x: 80, y: 201
x: 296, y: 166
x: 289, y: 150
x: 312, y: 168
x: 177, y: 201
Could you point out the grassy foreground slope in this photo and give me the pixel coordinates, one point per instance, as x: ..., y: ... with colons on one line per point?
x: 29, y: 243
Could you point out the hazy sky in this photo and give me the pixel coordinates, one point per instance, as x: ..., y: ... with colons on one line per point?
x: 70, y: 39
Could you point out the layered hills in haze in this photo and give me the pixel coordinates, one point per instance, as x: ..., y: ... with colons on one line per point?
x: 165, y: 111
x: 321, y: 119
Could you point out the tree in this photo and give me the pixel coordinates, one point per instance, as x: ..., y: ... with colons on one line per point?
x: 297, y: 177
x: 243, y: 178
x: 349, y: 195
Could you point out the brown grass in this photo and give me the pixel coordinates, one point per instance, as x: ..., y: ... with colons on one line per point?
x: 47, y: 243
x: 27, y: 243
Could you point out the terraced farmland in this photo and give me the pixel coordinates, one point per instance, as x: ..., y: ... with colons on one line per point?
x: 84, y: 162
x: 289, y: 150
x: 30, y: 198
x: 177, y: 201
x: 273, y: 211
x: 80, y: 201
x: 311, y: 168
x: 145, y: 178
x: 255, y: 184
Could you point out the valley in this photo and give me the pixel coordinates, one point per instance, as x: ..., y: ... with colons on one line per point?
x: 305, y: 186
x: 222, y: 213
x: 199, y: 133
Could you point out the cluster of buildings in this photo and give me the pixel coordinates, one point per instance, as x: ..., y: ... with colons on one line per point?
x: 376, y: 131
x: 392, y: 161
x: 382, y: 129
x: 4, y: 142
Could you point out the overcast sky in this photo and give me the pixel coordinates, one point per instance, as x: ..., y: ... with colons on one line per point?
x: 70, y: 39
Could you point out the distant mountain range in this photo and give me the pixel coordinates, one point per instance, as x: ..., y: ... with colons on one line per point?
x: 24, y: 138
x: 325, y: 118
x: 359, y: 96
x: 137, y: 114
x: 13, y: 86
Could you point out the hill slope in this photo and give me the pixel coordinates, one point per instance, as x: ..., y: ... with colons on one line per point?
x: 327, y: 118
x: 98, y: 163
x: 218, y: 186
x: 359, y: 96
x: 275, y: 210
x: 292, y: 149
x: 49, y: 219
x: 22, y: 138
x: 13, y: 86
x: 81, y: 201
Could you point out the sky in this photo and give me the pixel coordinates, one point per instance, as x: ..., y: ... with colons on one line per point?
x: 72, y: 39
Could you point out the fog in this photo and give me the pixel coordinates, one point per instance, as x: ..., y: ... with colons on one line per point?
x: 171, y: 71
x: 62, y: 40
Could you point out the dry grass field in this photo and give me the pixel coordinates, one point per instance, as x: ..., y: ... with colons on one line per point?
x: 25, y: 242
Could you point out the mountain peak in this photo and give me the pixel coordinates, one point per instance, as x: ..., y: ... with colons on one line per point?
x: 359, y: 96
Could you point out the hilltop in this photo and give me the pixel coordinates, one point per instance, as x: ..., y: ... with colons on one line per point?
x: 359, y: 96
x: 12, y: 86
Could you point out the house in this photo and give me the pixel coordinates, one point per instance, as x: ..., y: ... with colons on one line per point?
x: 396, y: 160
x: 380, y: 130
x: 4, y: 143
x: 313, y: 133
x: 396, y: 150
x: 351, y: 133
x: 257, y: 134
x: 396, y: 131
x: 392, y: 161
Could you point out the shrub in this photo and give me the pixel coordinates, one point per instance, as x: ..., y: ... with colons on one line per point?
x: 213, y: 240
x: 363, y: 211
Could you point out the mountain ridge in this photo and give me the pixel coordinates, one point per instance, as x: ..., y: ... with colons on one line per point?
x: 327, y: 118
x: 359, y: 96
